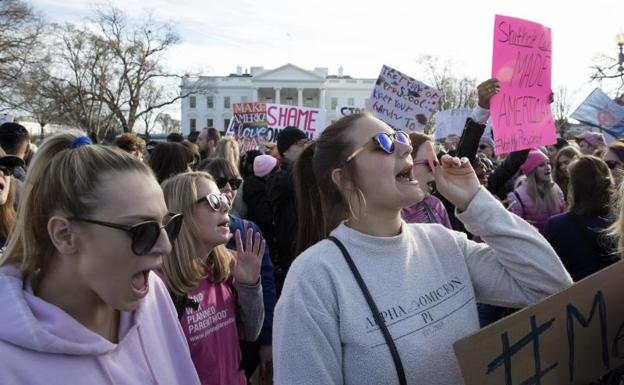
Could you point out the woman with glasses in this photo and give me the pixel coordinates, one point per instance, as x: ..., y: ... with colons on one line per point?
x: 217, y: 292
x: 538, y: 198
x: 614, y: 157
x: 430, y: 209
x: 422, y: 281
x: 8, y: 193
x: 579, y: 236
x: 258, y: 352
x: 79, y: 300
x: 561, y: 161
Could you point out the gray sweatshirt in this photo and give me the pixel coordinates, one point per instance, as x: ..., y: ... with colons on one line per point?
x: 425, y: 281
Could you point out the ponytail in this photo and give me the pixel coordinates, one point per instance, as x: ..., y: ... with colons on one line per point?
x: 311, y: 226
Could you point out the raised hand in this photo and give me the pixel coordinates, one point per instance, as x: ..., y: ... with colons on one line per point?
x: 456, y: 180
x: 247, y: 261
x: 486, y: 90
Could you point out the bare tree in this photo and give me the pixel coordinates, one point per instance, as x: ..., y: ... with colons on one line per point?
x: 561, y: 107
x: 606, y: 73
x: 20, y: 31
x: 167, y: 124
x: 458, y: 91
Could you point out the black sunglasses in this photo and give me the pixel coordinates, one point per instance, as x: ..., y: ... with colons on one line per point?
x: 612, y: 164
x: 7, y: 170
x: 234, y: 183
x: 215, y: 201
x: 483, y: 146
x: 385, y: 142
x: 144, y: 234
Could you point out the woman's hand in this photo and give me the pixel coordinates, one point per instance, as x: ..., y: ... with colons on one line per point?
x: 247, y: 261
x: 486, y: 90
x: 456, y: 181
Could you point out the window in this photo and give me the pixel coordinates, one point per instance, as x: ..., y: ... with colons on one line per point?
x: 226, y: 124
x: 226, y: 102
x: 209, y: 103
x: 308, y: 102
x: 290, y: 101
x: 350, y: 102
x: 209, y: 123
x: 334, y: 103
x: 192, y: 101
x: 193, y: 123
x: 243, y: 99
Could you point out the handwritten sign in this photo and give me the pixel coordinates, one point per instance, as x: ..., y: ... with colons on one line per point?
x: 452, y: 122
x: 402, y: 102
x: 520, y: 112
x: 573, y: 337
x: 342, y: 111
x: 599, y: 110
x: 255, y: 124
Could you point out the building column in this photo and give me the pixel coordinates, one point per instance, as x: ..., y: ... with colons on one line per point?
x: 254, y: 96
x: 277, y: 95
x: 322, y: 99
x: 300, y: 97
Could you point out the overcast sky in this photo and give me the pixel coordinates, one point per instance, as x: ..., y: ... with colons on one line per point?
x: 362, y: 35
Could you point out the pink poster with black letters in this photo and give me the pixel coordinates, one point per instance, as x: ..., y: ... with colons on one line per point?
x: 522, y: 62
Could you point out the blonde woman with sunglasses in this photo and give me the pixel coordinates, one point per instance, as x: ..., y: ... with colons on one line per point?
x: 79, y: 301
x: 217, y: 292
x: 382, y: 301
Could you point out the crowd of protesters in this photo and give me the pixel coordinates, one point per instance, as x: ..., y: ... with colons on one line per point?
x: 189, y: 262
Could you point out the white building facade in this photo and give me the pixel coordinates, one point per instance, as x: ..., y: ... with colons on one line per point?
x: 211, y: 106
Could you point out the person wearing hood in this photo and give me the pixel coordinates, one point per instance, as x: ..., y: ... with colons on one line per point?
x: 79, y: 301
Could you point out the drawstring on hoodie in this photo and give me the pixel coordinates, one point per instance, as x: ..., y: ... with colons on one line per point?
x: 149, y: 364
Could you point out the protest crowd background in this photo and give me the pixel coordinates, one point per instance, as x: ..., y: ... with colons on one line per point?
x: 360, y: 253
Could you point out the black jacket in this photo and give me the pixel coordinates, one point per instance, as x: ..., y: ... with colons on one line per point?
x: 281, y: 192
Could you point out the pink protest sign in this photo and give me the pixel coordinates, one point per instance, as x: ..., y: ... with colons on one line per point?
x: 520, y: 112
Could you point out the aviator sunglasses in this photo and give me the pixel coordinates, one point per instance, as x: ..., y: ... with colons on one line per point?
x: 144, y: 234
x: 385, y: 141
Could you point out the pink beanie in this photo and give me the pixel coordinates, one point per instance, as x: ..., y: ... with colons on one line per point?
x: 534, y: 159
x: 263, y: 165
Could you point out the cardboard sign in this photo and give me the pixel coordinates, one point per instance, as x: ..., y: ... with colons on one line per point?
x: 599, y: 110
x: 401, y: 101
x: 520, y: 112
x: 452, y: 122
x: 573, y: 337
x: 256, y: 124
x: 342, y: 111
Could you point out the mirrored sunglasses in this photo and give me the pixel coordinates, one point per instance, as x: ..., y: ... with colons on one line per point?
x: 216, y: 201
x: 385, y: 142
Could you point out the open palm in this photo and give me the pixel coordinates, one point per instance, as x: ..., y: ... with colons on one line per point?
x: 248, y: 259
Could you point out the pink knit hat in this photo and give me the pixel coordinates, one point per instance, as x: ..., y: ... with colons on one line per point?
x: 263, y: 165
x: 596, y: 139
x: 534, y: 159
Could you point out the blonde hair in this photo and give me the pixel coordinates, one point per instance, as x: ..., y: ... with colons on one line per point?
x: 183, y: 267
x: 59, y: 179
x: 227, y: 148
x: 543, y: 194
x: 616, y: 230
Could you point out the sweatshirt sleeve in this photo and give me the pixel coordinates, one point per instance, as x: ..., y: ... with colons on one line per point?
x: 515, y: 266
x: 251, y: 311
x: 306, y: 334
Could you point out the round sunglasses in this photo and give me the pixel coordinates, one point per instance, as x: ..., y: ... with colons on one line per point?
x: 7, y: 170
x: 235, y: 183
x: 216, y: 201
x: 384, y: 141
x: 145, y: 234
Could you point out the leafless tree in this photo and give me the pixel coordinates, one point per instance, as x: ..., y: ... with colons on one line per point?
x: 20, y: 32
x: 458, y: 91
x: 167, y: 123
x: 605, y: 72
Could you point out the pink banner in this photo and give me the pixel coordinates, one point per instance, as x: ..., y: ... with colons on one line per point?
x: 520, y: 112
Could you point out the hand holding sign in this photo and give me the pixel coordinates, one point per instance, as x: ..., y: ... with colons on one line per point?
x: 486, y: 90
x: 456, y: 181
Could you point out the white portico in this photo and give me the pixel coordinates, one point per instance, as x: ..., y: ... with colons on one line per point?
x: 288, y: 84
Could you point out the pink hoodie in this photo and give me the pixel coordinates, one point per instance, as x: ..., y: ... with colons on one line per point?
x: 41, y: 344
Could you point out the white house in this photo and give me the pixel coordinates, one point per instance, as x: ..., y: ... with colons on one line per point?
x: 288, y: 84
